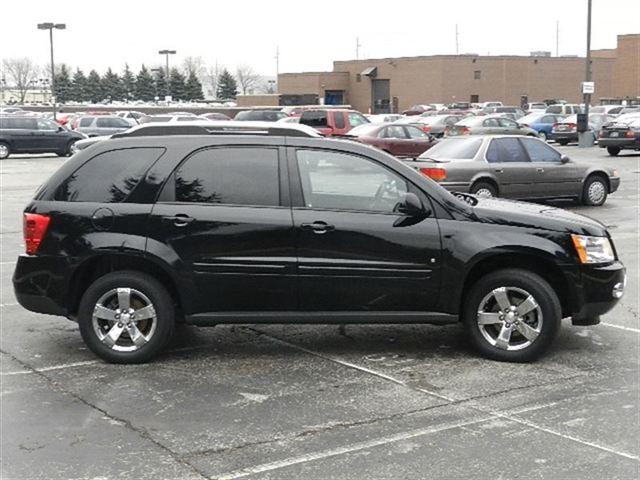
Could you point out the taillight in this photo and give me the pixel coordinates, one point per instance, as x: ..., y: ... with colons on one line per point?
x: 554, y: 127
x: 436, y: 174
x: 630, y: 134
x: 426, y: 128
x: 572, y: 126
x: 35, y: 227
x: 465, y: 131
x: 447, y: 131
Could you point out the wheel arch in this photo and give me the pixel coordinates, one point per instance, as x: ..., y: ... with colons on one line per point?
x: 483, y: 177
x: 536, y: 261
x: 96, y: 266
x: 596, y: 172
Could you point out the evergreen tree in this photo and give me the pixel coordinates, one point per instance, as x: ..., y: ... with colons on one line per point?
x: 128, y: 82
x: 63, y: 84
x: 193, y: 87
x: 145, y: 89
x: 94, y: 90
x: 79, y: 87
x: 111, y: 86
x: 161, y: 82
x: 227, y: 86
x: 176, y: 84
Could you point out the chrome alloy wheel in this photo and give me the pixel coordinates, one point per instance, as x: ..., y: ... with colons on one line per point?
x: 484, y: 193
x: 509, y: 318
x: 124, y: 319
x: 596, y: 192
x: 4, y: 151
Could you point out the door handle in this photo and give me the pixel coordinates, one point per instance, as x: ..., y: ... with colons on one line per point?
x: 540, y: 170
x: 179, y: 220
x: 499, y: 170
x: 318, y: 227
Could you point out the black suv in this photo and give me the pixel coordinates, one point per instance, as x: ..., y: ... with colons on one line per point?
x: 139, y: 232
x: 21, y: 134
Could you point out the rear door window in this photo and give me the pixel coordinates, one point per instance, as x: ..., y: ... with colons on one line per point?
x: 108, y: 177
x: 86, y: 122
x: 394, y: 131
x: 338, y: 119
x: 506, y: 150
x: 507, y: 123
x: 235, y: 176
x: 555, y: 109
x: 539, y: 151
x: 490, y: 122
x: 415, y: 132
x: 314, y: 118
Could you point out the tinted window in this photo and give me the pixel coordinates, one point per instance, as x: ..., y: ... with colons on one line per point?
x: 112, y: 123
x: 86, y: 122
x: 506, y: 150
x: 341, y: 181
x: 507, y: 123
x: 338, y: 119
x: 454, y: 148
x: 394, y: 131
x: 187, y: 119
x: 314, y: 118
x: 108, y: 177
x: 356, y: 119
x: 238, y: 176
x: 490, y: 122
x: 19, y: 123
x: 415, y: 132
x: 44, y: 124
x: 548, y: 119
x: 555, y: 109
x: 158, y: 119
x: 539, y: 151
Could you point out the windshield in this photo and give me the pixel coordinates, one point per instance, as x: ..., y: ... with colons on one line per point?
x: 454, y: 149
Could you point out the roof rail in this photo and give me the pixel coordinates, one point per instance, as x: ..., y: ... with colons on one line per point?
x: 219, y: 128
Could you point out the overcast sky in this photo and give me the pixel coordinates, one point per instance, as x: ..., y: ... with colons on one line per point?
x: 310, y: 35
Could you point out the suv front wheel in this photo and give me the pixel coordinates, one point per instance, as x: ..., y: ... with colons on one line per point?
x: 512, y: 315
x: 126, y: 317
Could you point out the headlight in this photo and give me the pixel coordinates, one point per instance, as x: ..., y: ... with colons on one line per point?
x: 593, y: 249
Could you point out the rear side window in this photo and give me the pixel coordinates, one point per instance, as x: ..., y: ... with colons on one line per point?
x: 555, y: 109
x: 338, y: 119
x: 236, y: 176
x: 503, y: 150
x: 112, y: 123
x: 539, y: 151
x: 314, y: 118
x: 108, y: 177
x: 86, y: 122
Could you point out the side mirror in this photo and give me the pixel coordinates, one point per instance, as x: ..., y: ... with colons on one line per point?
x: 411, y: 206
x: 61, y: 129
x: 564, y: 159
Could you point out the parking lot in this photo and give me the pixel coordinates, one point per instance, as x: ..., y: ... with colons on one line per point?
x: 319, y: 402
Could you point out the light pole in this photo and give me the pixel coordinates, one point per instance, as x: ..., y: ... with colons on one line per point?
x: 166, y: 53
x: 50, y: 26
x: 585, y: 139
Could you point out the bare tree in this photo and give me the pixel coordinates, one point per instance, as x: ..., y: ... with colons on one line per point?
x: 211, y: 73
x: 22, y: 72
x: 193, y: 65
x: 247, y: 78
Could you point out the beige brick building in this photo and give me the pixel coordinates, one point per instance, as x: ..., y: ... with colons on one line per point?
x: 397, y: 83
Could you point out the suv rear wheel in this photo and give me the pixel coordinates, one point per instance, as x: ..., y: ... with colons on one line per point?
x: 126, y: 317
x: 613, y: 151
x: 4, y: 150
x: 512, y: 315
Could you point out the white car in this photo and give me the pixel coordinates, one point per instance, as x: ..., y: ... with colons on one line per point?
x: 133, y: 118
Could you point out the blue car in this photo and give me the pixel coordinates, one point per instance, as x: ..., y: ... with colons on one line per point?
x: 541, y: 122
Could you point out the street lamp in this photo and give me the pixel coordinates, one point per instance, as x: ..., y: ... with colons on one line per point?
x: 585, y: 139
x: 166, y: 53
x: 50, y: 26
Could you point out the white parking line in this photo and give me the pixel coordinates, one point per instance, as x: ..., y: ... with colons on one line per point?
x: 354, y: 447
x: 12, y: 304
x: 51, y: 368
x: 494, y: 413
x: 620, y: 327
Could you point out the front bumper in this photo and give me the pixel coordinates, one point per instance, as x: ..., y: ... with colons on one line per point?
x: 614, y: 184
x: 597, y: 289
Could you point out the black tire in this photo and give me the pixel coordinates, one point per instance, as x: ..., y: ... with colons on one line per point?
x: 613, y: 151
x: 527, y: 281
x: 594, y: 191
x: 159, y: 298
x: 5, y: 150
x: 542, y: 136
x: 486, y: 189
x: 563, y: 142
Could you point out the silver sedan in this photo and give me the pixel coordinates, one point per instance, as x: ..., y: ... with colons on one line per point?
x: 511, y: 166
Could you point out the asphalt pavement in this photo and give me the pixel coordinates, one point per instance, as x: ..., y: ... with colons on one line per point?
x: 316, y: 402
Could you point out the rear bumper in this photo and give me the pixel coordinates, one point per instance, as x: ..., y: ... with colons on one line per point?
x: 631, y: 143
x: 40, y: 284
x: 597, y: 289
x: 568, y: 136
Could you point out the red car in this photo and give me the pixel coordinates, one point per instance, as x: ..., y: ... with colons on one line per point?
x: 396, y: 139
x: 332, y: 121
x: 417, y: 110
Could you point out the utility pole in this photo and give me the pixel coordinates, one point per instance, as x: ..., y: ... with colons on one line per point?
x: 50, y: 26
x: 557, y: 38
x: 166, y: 53
x: 277, y: 57
x: 586, y: 138
x: 457, y: 41
x: 358, y: 48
